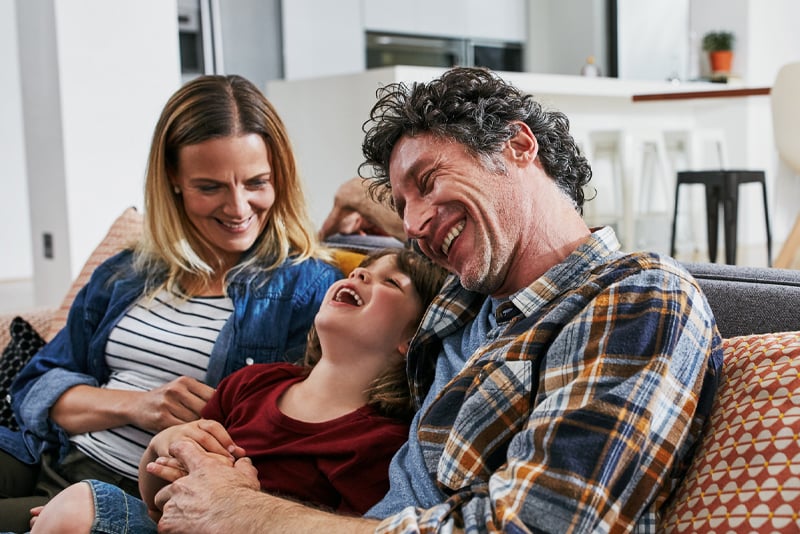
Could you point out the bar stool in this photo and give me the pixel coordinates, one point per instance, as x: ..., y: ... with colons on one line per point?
x: 722, y: 186
x: 697, y: 148
x: 693, y: 149
x: 629, y: 151
x: 607, y: 204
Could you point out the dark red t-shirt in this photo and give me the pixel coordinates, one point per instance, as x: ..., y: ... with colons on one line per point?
x: 342, y: 464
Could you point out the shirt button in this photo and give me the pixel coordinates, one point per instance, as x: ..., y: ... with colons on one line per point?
x: 249, y: 361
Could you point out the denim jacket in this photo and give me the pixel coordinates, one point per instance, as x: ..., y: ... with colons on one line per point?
x: 272, y: 314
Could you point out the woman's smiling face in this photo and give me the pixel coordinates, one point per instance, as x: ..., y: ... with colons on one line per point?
x: 227, y: 192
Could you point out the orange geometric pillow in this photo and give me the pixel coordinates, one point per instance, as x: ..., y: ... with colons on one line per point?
x: 746, y: 475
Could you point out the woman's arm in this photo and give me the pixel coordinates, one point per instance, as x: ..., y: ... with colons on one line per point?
x: 86, y: 408
x: 71, y: 358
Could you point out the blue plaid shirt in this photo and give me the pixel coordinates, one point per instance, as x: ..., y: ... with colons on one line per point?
x: 581, y: 413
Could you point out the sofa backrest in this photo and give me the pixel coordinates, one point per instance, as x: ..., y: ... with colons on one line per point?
x: 745, y: 300
x: 750, y: 300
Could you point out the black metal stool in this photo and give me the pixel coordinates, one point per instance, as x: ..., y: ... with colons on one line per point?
x: 722, y: 186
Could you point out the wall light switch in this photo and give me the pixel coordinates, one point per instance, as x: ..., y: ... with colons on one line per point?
x: 47, y: 239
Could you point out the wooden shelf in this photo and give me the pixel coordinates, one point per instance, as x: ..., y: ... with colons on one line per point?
x: 722, y: 93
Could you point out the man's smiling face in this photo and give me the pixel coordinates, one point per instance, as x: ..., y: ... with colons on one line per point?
x: 461, y: 213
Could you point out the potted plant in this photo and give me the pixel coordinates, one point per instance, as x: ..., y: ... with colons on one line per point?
x: 719, y: 45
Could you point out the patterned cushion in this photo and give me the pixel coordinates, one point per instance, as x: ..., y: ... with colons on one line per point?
x: 124, y: 232
x: 746, y: 475
x: 25, y: 342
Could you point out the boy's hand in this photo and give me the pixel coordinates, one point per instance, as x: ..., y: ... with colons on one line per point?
x: 210, y: 435
x: 35, y: 513
x: 166, y: 468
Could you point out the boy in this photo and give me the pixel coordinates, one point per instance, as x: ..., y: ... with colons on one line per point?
x: 327, y: 430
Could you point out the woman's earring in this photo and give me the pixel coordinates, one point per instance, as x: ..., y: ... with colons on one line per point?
x: 176, y: 189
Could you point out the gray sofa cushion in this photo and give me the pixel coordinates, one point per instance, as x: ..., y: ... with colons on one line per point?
x: 750, y: 300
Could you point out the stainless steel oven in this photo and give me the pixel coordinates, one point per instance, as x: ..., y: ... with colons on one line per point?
x: 384, y: 49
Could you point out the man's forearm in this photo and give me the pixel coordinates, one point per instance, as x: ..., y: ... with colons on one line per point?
x: 247, y: 510
x: 353, y: 196
x: 292, y: 517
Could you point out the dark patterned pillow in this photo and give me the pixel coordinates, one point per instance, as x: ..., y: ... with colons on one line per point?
x: 25, y: 342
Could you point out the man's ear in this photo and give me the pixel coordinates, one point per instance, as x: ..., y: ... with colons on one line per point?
x: 523, y: 146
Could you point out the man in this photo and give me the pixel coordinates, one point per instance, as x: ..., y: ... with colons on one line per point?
x: 562, y: 384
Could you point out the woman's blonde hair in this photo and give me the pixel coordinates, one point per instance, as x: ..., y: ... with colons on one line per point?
x: 213, y: 107
x: 389, y: 392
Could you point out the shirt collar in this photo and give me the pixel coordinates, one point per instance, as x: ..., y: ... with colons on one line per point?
x: 594, y: 251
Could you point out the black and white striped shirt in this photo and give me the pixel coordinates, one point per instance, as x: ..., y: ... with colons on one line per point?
x: 158, y: 340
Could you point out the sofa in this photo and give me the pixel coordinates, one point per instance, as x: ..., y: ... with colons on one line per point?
x: 746, y: 474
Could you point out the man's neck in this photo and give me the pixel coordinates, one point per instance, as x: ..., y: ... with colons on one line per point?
x: 538, y: 256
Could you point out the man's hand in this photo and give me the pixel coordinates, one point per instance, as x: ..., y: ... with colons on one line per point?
x: 157, y: 467
x: 215, y: 498
x: 212, y: 497
x: 355, y: 212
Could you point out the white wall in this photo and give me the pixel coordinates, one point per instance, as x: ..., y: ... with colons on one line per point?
x: 653, y: 39
x: 773, y: 40
x: 561, y: 35
x: 15, y: 243
x: 95, y: 75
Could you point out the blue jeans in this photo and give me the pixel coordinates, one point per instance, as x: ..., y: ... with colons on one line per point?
x: 116, y: 512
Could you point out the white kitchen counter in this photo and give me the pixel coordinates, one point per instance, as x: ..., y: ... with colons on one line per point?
x: 559, y: 84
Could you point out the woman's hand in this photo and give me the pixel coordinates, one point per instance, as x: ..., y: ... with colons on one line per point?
x: 176, y: 402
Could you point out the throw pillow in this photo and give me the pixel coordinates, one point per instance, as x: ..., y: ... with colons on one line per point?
x: 25, y: 342
x: 124, y: 232
x: 746, y: 475
x: 347, y: 260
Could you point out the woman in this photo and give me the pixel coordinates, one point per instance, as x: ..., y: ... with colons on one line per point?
x: 322, y: 433
x: 228, y: 273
